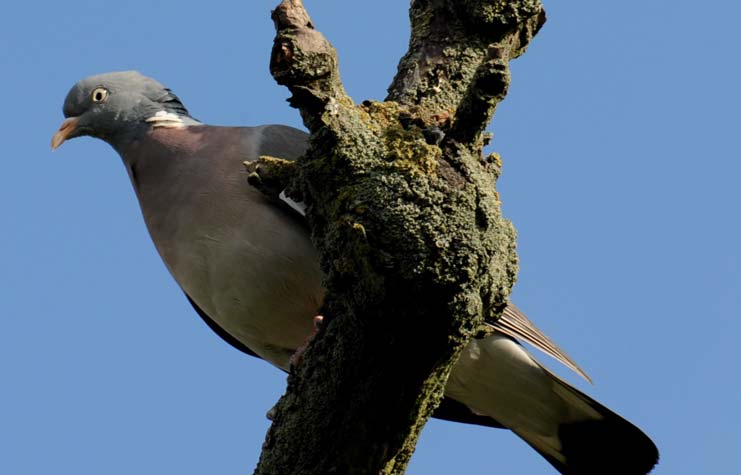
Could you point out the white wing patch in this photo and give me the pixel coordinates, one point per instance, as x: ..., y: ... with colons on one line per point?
x: 167, y: 120
x: 298, y: 206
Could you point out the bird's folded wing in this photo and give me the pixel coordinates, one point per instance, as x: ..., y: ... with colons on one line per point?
x: 227, y: 337
x: 515, y: 324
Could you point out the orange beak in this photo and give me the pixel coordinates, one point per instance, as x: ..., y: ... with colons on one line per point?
x: 65, y: 130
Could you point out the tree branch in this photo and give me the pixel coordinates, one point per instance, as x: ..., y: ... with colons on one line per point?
x: 405, y: 216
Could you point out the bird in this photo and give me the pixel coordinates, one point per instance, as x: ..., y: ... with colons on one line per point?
x: 246, y: 263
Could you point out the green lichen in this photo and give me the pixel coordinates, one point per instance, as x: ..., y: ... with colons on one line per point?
x: 409, y: 152
x: 409, y: 230
x: 500, y: 13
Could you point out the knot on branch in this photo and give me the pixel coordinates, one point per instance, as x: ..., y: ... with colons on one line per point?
x: 301, y: 55
x: 303, y: 60
x: 291, y: 14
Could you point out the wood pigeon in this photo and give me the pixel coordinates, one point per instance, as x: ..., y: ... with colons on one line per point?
x: 247, y: 265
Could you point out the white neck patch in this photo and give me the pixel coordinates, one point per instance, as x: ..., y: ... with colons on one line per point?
x: 168, y: 120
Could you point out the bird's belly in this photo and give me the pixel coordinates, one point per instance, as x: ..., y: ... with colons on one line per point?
x: 273, y: 317
x: 263, y: 295
x: 261, y: 285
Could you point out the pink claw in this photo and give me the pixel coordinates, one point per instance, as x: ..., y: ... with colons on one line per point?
x: 298, y: 356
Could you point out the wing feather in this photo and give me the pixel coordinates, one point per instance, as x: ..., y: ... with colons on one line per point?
x: 515, y: 324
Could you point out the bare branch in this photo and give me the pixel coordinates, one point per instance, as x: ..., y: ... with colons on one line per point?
x: 304, y: 61
x: 457, y: 66
x: 404, y: 214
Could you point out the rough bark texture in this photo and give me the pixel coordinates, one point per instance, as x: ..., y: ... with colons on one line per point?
x: 404, y: 212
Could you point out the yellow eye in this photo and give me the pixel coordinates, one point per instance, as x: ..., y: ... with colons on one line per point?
x: 99, y: 94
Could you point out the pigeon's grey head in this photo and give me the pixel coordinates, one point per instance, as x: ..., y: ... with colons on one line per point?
x: 115, y: 107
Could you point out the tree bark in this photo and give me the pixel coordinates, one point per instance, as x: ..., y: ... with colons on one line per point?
x: 403, y: 210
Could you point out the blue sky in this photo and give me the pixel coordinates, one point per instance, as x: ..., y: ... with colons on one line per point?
x: 621, y: 174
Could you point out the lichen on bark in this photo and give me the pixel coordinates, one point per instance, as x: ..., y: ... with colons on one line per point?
x: 404, y: 212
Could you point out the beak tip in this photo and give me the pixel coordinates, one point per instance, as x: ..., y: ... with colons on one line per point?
x: 67, y: 128
x: 56, y: 141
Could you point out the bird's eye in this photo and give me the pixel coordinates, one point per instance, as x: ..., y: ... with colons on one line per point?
x: 100, y: 94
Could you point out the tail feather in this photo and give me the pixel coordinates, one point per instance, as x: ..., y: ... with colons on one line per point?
x: 496, y: 378
x: 515, y: 324
x: 609, y: 445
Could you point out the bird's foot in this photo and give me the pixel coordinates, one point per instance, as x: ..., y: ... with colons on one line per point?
x: 272, y: 412
x: 298, y: 356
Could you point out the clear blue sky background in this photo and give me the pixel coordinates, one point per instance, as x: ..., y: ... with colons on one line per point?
x: 620, y: 144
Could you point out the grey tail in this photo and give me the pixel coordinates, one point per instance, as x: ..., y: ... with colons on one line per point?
x: 608, y: 446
